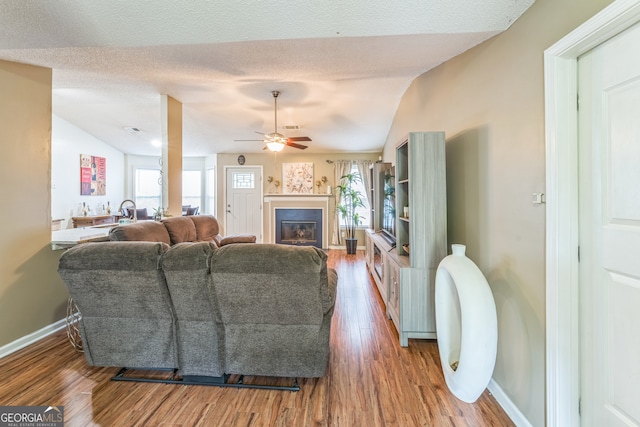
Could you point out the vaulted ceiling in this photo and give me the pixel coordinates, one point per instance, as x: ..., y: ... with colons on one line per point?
x: 341, y: 66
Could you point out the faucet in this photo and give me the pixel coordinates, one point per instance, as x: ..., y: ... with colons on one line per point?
x: 135, y: 213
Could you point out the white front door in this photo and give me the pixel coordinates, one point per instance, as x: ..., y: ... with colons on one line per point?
x: 243, y: 199
x: 609, y: 211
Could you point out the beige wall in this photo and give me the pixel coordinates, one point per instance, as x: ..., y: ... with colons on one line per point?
x: 489, y: 101
x: 272, y: 166
x: 32, y: 295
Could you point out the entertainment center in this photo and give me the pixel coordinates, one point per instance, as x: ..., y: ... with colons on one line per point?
x: 408, y: 234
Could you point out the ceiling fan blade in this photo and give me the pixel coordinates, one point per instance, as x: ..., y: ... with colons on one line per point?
x: 275, y: 136
x: 294, y: 145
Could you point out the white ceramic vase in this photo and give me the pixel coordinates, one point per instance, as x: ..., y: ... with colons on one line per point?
x: 466, y: 325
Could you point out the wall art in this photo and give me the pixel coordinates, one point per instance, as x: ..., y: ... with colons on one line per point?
x: 297, y: 178
x: 93, y: 175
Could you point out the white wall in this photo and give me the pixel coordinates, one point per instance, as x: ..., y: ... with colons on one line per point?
x: 67, y: 143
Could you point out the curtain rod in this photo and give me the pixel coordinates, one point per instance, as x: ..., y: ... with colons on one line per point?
x: 352, y: 161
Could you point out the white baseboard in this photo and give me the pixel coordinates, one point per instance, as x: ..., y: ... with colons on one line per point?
x: 503, y: 400
x: 16, y: 345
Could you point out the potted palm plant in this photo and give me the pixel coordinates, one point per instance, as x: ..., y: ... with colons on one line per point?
x: 349, y: 199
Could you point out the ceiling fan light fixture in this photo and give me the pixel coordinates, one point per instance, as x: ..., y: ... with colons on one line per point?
x: 275, y: 146
x: 275, y: 141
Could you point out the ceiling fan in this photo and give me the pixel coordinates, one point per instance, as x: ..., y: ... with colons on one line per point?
x: 276, y: 141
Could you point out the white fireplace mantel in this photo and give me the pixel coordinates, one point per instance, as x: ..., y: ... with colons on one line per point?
x: 289, y: 197
x: 297, y: 201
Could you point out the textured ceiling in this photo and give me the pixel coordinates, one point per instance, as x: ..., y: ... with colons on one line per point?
x: 342, y: 66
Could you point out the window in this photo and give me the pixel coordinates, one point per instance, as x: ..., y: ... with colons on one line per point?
x: 192, y: 188
x: 211, y: 192
x: 363, y: 211
x: 148, y: 189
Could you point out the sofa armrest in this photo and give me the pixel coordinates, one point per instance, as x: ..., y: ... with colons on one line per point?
x: 239, y: 238
x: 332, y: 286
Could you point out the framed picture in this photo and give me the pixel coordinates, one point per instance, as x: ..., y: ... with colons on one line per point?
x: 297, y: 178
x: 93, y: 175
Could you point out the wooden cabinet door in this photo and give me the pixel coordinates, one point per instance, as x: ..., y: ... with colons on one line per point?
x: 393, y: 307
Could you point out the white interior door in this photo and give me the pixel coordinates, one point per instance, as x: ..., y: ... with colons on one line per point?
x: 609, y: 168
x: 243, y: 210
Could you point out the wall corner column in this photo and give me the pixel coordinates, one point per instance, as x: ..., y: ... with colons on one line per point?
x: 171, y: 119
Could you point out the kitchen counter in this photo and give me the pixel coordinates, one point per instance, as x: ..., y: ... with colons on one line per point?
x: 63, y: 239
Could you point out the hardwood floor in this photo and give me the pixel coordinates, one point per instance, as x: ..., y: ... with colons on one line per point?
x: 371, y: 380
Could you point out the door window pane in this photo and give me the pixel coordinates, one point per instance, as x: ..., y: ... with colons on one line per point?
x: 243, y: 180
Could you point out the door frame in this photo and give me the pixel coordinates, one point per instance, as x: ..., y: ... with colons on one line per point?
x: 561, y: 146
x: 261, y: 188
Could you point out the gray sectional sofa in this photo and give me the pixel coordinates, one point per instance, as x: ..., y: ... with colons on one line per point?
x: 202, y: 308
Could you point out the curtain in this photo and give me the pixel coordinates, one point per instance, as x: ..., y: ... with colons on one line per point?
x: 340, y: 169
x: 363, y: 170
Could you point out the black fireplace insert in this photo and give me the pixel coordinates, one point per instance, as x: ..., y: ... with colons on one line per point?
x: 302, y: 227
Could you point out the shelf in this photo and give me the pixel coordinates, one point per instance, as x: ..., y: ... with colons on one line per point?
x: 401, y: 218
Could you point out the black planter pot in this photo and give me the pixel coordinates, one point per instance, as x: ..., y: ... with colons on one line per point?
x: 352, y: 245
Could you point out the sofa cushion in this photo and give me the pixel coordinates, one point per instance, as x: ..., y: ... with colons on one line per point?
x: 284, y: 281
x: 147, y: 231
x: 200, y: 335
x: 181, y: 229
x: 207, y: 228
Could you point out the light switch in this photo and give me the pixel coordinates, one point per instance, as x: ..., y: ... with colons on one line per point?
x: 538, y: 198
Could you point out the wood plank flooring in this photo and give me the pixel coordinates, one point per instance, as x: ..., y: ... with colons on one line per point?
x: 371, y: 380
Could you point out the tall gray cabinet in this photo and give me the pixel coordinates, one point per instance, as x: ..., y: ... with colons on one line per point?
x: 408, y: 270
